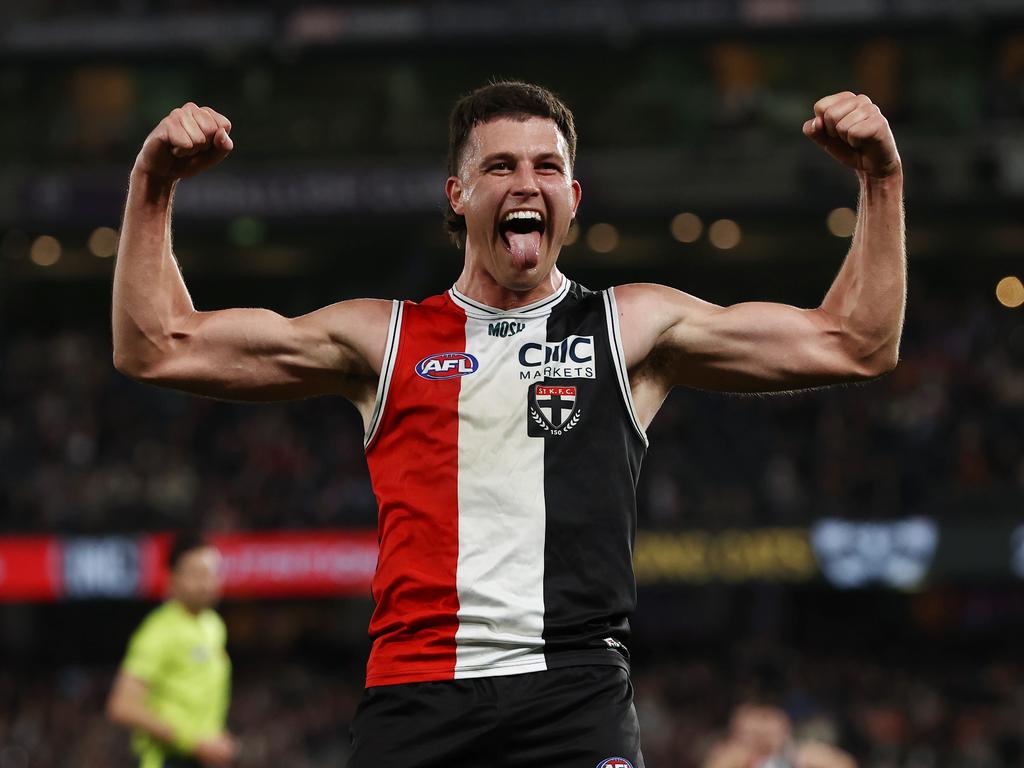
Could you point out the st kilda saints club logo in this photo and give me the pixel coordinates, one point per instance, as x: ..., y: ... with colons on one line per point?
x: 553, y: 410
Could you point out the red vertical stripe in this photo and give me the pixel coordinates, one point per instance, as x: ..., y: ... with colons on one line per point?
x: 413, y: 464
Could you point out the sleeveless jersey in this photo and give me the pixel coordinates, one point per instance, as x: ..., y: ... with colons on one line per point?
x: 504, y: 451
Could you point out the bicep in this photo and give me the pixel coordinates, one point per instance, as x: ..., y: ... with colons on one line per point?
x: 757, y: 347
x: 257, y: 354
x: 680, y: 340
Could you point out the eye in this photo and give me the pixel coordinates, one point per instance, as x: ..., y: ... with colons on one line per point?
x: 550, y: 167
x: 500, y: 165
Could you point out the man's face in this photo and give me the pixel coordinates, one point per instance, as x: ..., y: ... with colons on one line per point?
x: 196, y: 579
x: 516, y: 190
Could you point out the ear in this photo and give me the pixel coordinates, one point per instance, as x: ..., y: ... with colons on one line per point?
x: 453, y: 191
x: 577, y: 195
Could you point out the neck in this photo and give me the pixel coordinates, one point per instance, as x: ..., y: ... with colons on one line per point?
x: 479, y: 285
x: 188, y: 608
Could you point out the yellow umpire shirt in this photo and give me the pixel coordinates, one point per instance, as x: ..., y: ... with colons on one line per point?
x: 182, y: 659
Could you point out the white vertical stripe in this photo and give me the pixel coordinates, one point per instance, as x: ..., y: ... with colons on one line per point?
x: 386, y: 369
x: 611, y: 313
x: 500, y: 577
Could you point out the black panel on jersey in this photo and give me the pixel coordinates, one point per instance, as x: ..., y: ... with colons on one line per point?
x: 591, y: 467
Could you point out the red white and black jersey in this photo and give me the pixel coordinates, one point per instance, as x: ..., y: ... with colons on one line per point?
x: 504, y: 451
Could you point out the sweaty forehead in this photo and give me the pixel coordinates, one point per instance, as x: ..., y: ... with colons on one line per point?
x: 527, y: 138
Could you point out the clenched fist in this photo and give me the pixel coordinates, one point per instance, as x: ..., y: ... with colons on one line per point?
x: 186, y: 142
x: 855, y: 132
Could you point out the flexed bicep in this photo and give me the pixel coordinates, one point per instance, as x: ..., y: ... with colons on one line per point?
x: 674, y: 339
x: 257, y: 354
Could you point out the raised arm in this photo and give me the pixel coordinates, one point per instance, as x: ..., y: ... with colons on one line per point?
x: 671, y: 338
x: 243, y: 354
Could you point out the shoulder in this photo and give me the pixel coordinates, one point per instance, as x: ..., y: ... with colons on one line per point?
x: 652, y: 296
x: 162, y: 615
x: 368, y: 313
x: 154, y: 630
x: 215, y: 624
x: 647, y: 312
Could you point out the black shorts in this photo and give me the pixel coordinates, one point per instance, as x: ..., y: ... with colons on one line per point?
x: 573, y: 717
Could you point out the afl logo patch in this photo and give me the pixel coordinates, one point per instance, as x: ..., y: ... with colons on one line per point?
x: 615, y: 762
x: 447, y: 365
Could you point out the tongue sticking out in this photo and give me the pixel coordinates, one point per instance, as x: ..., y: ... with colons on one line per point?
x: 525, y: 249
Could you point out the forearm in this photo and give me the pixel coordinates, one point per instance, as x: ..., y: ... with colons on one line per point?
x: 139, y: 718
x: 149, y: 294
x: 868, y: 296
x: 127, y: 707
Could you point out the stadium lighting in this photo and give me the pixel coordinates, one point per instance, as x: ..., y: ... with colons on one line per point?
x: 841, y: 222
x: 725, y: 234
x: 1010, y: 292
x: 602, y: 238
x: 103, y: 242
x: 45, y: 251
x: 686, y: 227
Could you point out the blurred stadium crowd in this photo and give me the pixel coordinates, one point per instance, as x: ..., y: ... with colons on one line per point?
x: 83, y: 450
x: 887, y: 715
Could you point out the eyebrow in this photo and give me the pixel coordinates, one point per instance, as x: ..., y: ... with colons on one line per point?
x: 495, y: 156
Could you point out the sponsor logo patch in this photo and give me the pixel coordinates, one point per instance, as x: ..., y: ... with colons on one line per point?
x: 570, y: 358
x: 615, y: 762
x: 447, y: 365
x: 553, y: 410
x: 505, y: 328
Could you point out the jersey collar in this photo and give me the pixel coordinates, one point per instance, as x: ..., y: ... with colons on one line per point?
x: 536, y: 309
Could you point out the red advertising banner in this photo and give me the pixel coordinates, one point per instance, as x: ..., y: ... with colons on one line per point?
x: 307, y: 564
x: 255, y: 564
x: 30, y: 568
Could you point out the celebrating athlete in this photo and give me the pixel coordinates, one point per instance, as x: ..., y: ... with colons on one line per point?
x: 505, y: 419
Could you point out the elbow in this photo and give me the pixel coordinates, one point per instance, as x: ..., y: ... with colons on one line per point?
x: 147, y: 358
x: 115, y: 712
x: 872, y: 361
x: 127, y: 365
x: 132, y: 366
x: 863, y: 352
x: 891, y: 359
x: 142, y: 350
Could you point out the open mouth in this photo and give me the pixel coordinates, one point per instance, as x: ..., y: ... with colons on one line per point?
x: 523, y: 223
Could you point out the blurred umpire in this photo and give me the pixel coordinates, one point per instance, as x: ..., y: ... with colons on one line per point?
x: 173, y: 687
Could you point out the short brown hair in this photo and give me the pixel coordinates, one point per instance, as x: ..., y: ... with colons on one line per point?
x: 503, y: 98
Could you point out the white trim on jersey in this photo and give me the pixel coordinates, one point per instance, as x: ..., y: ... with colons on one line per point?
x: 502, y: 512
x: 611, y: 311
x: 386, y: 370
x: 479, y: 310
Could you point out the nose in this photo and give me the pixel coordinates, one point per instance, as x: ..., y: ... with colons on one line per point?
x: 524, y: 183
